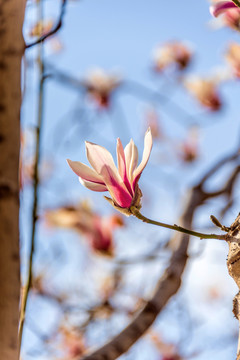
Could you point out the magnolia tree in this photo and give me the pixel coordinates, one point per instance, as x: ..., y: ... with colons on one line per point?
x: 142, y: 275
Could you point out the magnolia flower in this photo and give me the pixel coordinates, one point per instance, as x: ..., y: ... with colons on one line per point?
x: 189, y: 149
x: 172, y: 53
x: 121, y: 182
x: 98, y: 230
x: 205, y: 91
x: 100, y: 85
x: 220, y: 7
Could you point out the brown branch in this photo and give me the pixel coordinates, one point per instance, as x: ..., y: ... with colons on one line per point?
x: 54, y: 29
x: 234, y: 156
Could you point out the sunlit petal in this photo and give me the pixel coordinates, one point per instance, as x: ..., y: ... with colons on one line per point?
x: 131, y: 155
x: 121, y: 159
x: 99, y: 157
x: 145, y: 157
x: 85, y: 172
x: 102, y: 161
x: 93, y: 186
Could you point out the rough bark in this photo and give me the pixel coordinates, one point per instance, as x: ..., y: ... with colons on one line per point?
x: 11, y: 50
x: 233, y: 264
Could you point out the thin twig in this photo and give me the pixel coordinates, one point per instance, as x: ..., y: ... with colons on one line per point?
x: 138, y: 215
x: 235, y: 155
x: 28, y: 284
x: 54, y: 29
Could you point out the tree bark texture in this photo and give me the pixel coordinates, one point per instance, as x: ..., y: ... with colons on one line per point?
x: 11, y: 50
x: 233, y: 264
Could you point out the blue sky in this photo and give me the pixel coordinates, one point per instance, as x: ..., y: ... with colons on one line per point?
x: 121, y: 35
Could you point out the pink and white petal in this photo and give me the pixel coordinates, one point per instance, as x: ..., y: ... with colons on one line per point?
x: 122, y: 166
x: 131, y: 156
x: 93, y: 186
x: 99, y: 157
x: 219, y: 7
x: 121, y: 159
x: 145, y: 157
x: 102, y: 161
x: 117, y: 190
x: 85, y: 172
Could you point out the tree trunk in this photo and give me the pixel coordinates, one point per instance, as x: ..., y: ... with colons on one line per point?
x: 11, y: 50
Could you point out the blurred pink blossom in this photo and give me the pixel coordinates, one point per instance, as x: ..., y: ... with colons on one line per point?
x: 220, y: 7
x: 100, y: 86
x: 205, y: 91
x: 231, y: 18
x: 167, y: 350
x: 189, y: 151
x: 230, y: 13
x: 41, y: 28
x: 73, y: 343
x: 98, y: 230
x: 171, y: 53
x: 152, y: 121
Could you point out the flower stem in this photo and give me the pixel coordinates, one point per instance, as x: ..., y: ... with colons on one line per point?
x: 175, y: 227
x: 236, y: 2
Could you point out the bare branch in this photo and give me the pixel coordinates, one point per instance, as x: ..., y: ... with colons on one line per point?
x: 234, y: 156
x: 54, y: 29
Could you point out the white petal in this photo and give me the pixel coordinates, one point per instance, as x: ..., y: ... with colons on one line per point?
x: 93, y: 186
x: 146, y: 154
x: 85, y: 172
x: 131, y: 155
x: 99, y: 157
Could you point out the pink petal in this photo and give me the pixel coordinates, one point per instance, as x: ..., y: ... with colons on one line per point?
x: 93, y: 186
x: 119, y: 192
x: 131, y: 155
x: 102, y: 162
x: 221, y: 6
x: 85, y: 172
x: 145, y: 157
x: 122, y: 166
